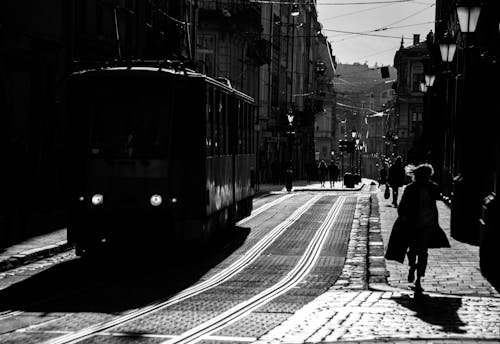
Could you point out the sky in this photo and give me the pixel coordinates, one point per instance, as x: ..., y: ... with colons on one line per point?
x: 389, y: 19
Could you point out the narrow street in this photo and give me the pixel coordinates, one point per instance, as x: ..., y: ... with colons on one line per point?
x: 304, y: 267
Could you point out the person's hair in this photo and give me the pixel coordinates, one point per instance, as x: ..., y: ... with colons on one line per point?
x: 423, y: 172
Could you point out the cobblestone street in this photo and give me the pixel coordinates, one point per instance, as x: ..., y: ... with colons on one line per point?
x: 458, y: 304
x: 365, y: 300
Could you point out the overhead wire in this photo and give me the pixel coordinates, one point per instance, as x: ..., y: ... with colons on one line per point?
x: 383, y: 28
x: 407, y: 17
x: 330, y: 3
x: 356, y: 12
x: 365, y: 34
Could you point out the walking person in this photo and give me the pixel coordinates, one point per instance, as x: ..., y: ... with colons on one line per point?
x: 333, y: 172
x: 396, y: 178
x: 322, y: 170
x: 383, y: 175
x: 417, y: 227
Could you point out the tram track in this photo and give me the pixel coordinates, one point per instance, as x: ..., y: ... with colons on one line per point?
x: 250, y: 256
x: 13, y: 313
x: 295, y: 276
x: 263, y: 208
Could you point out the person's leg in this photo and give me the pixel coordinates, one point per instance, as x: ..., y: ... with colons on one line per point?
x: 412, y: 259
x: 395, y: 195
x: 421, y: 267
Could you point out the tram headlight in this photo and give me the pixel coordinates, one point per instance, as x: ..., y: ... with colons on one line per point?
x: 97, y: 199
x: 155, y: 200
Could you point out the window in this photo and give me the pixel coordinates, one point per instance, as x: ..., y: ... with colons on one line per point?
x: 217, y: 122
x: 224, y: 133
x: 245, y: 128
x: 210, y: 120
x: 252, y: 129
x: 417, y: 76
x: 240, y: 127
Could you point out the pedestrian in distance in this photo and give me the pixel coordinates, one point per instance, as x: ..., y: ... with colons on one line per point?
x: 383, y: 176
x: 322, y: 171
x: 417, y: 227
x: 396, y: 178
x: 289, y: 176
x: 333, y: 172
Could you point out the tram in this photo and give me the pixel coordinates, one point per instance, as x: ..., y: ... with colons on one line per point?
x: 155, y: 154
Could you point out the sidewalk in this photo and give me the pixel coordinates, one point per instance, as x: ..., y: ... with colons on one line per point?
x: 371, y: 301
x: 302, y: 185
x: 33, y: 249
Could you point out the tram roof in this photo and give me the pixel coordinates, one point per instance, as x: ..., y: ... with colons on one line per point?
x: 162, y: 71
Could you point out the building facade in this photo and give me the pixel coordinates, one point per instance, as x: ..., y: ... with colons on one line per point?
x: 409, y: 103
x: 462, y: 115
x: 324, y: 121
x: 289, y: 91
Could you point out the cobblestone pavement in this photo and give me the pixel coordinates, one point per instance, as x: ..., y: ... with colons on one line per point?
x: 371, y: 301
x: 452, y: 270
x: 33, y: 249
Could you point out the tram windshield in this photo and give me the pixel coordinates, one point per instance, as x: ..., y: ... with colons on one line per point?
x: 128, y: 123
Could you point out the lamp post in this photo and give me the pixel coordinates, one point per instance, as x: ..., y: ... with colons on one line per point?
x: 290, y: 134
x: 354, y: 134
x: 357, y: 155
x: 467, y: 181
x: 447, y: 49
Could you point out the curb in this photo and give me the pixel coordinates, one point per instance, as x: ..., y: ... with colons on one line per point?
x: 32, y: 255
x: 377, y: 270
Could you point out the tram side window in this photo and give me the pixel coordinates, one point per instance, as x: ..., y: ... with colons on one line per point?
x: 247, y: 129
x: 210, y: 120
x: 224, y: 124
x: 217, y: 129
x: 240, y: 127
x: 252, y: 133
x: 244, y: 128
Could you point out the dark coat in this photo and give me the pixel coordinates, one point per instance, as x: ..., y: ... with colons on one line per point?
x: 396, y: 175
x: 334, y: 172
x: 404, y: 230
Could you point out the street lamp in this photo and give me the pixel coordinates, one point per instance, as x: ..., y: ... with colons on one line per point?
x: 468, y: 15
x: 295, y: 11
x: 290, y: 116
x: 429, y: 80
x: 354, y: 133
x: 448, y: 48
x: 423, y: 87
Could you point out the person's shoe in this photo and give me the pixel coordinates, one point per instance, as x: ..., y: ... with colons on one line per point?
x: 418, y: 287
x: 411, y: 275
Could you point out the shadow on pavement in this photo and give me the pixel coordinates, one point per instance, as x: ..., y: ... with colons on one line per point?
x: 435, y: 310
x: 112, y: 283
